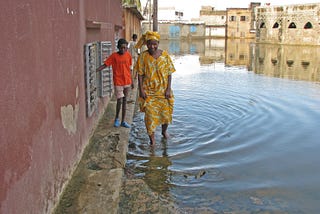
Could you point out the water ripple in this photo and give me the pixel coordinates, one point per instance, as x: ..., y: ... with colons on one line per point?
x: 245, y: 132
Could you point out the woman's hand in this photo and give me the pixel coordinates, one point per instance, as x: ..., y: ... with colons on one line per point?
x: 143, y: 95
x: 168, y: 93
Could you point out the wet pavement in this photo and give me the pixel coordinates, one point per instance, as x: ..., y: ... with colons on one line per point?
x: 99, y: 183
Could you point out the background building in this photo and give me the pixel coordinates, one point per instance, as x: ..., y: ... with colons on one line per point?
x: 215, y: 21
x: 240, y: 22
x: 290, y: 24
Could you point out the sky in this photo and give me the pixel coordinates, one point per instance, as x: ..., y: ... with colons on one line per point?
x: 191, y: 8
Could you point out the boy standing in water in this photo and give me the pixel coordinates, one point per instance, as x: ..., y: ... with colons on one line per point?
x: 121, y: 62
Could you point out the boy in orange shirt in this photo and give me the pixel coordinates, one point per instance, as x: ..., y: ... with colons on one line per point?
x: 121, y: 62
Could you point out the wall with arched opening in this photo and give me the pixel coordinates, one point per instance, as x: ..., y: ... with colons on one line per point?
x: 290, y: 24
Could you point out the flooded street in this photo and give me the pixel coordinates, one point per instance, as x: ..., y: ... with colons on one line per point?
x: 245, y: 133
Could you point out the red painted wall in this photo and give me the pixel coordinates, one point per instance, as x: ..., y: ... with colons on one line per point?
x: 44, y: 128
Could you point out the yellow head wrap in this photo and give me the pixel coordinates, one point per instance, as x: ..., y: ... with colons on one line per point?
x: 149, y: 35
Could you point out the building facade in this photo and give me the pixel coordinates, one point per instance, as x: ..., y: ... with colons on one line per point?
x: 51, y: 97
x: 291, y: 24
x: 239, y: 23
x: 177, y: 30
x: 215, y: 21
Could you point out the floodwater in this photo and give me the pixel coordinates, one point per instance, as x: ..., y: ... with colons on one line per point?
x: 245, y: 136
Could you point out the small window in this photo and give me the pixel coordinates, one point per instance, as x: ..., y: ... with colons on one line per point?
x: 179, y: 13
x: 308, y: 25
x: 242, y: 18
x: 292, y: 25
x: 232, y: 18
x: 261, y: 60
x: 193, y: 29
x: 262, y: 25
x: 276, y: 25
x: 290, y: 63
x: 222, y: 17
x: 242, y: 57
x: 305, y: 64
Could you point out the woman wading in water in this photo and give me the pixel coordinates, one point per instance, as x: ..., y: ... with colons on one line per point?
x: 154, y: 67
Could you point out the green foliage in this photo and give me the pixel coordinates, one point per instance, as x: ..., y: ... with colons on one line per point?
x: 132, y: 2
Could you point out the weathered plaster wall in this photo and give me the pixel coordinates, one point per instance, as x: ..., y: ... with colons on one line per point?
x: 44, y: 127
x: 273, y: 24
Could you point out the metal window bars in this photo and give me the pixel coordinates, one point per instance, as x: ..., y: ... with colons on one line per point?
x: 98, y: 84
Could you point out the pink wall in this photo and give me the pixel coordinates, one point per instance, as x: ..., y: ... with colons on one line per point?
x: 44, y: 128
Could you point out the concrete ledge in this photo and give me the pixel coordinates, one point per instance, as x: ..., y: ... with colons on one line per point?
x: 101, y: 192
x: 96, y: 183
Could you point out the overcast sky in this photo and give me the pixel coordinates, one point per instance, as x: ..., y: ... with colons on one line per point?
x: 191, y: 8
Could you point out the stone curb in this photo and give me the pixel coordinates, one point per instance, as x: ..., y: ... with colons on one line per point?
x: 96, y: 183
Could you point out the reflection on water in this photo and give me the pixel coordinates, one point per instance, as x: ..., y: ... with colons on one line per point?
x: 154, y: 167
x: 292, y: 62
x: 182, y: 47
x: 238, y: 52
x: 241, y: 142
x: 284, y: 61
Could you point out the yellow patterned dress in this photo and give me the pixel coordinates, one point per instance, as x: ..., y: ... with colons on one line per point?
x: 158, y: 110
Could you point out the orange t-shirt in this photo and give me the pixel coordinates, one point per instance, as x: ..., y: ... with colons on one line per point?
x: 120, y: 68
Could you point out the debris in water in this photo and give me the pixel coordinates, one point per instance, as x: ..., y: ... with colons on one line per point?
x: 200, y: 174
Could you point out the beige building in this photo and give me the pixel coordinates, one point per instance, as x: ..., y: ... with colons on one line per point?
x: 215, y: 21
x: 291, y: 24
x: 241, y: 22
x: 232, y: 23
